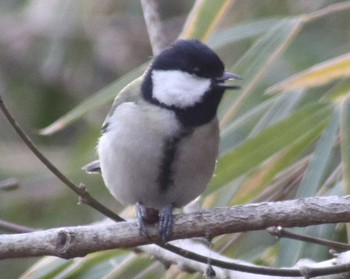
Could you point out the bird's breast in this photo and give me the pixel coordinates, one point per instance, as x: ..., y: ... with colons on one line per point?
x: 147, y: 156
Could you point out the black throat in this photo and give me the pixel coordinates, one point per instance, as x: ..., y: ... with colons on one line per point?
x: 197, y: 115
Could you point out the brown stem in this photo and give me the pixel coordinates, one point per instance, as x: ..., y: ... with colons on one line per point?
x: 154, y: 25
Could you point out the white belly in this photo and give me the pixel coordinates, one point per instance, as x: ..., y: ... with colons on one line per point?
x: 131, y: 154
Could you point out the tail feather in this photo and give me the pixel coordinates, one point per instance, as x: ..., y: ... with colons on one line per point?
x: 93, y: 167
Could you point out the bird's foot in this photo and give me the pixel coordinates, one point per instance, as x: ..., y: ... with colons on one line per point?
x: 166, y: 221
x: 145, y: 215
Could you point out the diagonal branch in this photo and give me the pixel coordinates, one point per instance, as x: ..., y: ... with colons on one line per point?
x: 81, y: 190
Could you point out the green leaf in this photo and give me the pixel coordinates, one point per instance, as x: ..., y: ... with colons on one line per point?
x: 47, y: 267
x: 257, y: 181
x: 252, y: 153
x: 310, y: 185
x: 257, y: 60
x: 345, y: 140
x: 341, y: 89
x: 130, y: 268
x: 204, y: 18
x: 241, y: 32
x: 100, y: 98
x: 325, y: 231
x: 281, y: 109
x: 312, y: 179
x: 238, y: 130
x: 317, y: 75
x: 94, y: 265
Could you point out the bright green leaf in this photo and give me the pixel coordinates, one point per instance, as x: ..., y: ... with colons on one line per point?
x: 100, y: 98
x: 257, y: 182
x: 241, y: 32
x: 46, y: 268
x: 203, y: 19
x: 341, y: 89
x: 312, y: 179
x: 238, y: 130
x: 256, y: 62
x: 345, y: 140
x: 317, y: 75
x: 249, y: 155
x: 281, y: 109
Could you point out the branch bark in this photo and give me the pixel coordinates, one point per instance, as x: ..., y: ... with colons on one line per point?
x: 303, y: 266
x: 78, y: 241
x: 154, y: 25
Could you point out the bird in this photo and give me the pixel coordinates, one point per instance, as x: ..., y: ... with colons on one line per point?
x: 160, y: 140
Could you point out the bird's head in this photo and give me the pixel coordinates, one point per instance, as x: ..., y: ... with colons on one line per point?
x: 186, y: 76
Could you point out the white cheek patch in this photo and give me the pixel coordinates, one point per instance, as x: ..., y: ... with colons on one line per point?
x: 177, y: 88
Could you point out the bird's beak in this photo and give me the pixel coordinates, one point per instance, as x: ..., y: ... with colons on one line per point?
x: 220, y: 82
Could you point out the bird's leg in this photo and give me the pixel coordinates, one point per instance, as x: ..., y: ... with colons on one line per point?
x: 166, y: 221
x: 140, y: 212
x: 145, y: 215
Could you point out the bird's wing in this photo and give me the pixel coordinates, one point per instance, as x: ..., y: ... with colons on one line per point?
x: 130, y: 93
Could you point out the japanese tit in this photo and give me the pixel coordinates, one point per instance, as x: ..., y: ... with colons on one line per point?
x: 160, y: 140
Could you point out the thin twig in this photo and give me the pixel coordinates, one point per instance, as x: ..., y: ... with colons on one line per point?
x: 281, y: 232
x: 80, y: 190
x: 154, y: 25
x: 15, y: 228
x: 307, y: 272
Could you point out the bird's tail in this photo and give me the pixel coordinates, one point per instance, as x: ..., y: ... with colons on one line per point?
x: 93, y: 167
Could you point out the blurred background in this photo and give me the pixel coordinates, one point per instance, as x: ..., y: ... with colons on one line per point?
x: 56, y: 53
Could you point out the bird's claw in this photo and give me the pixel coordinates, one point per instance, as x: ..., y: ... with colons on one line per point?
x: 166, y: 220
x: 147, y: 215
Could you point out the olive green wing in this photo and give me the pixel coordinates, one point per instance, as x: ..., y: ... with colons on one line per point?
x: 130, y: 93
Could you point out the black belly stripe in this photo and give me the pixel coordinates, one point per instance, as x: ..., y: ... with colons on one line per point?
x: 165, y: 178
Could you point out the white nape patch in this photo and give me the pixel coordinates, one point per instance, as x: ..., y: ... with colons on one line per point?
x: 177, y: 88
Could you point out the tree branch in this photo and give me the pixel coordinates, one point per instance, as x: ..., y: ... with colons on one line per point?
x: 12, y: 227
x: 78, y: 241
x: 154, y: 25
x: 279, y: 232
x: 72, y: 242
x: 329, y: 269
